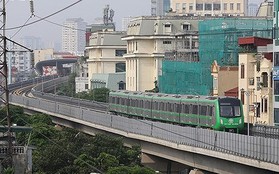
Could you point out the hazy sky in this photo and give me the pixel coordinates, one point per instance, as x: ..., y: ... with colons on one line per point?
x: 18, y: 12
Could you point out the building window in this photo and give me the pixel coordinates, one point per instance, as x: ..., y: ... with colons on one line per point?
x: 231, y: 6
x: 276, y: 57
x: 217, y: 7
x: 120, y: 53
x: 186, y: 27
x: 265, y: 105
x: 265, y: 79
x: 251, y: 81
x: 225, y: 6
x: 238, y: 6
x: 165, y: 42
x: 208, y: 6
x: 177, y: 6
x: 242, y: 71
x: 168, y: 28
x: 199, y: 7
x: 121, y: 85
x: 276, y: 116
x: 183, y: 7
x: 86, y: 86
x: 276, y: 87
x: 120, y: 67
x: 242, y: 96
x: 190, y: 6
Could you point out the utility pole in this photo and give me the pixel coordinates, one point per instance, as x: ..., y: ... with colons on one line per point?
x: 4, y: 84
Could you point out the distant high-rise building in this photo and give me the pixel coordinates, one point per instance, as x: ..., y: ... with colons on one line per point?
x: 31, y: 42
x: 252, y: 9
x: 73, y: 36
x: 160, y: 7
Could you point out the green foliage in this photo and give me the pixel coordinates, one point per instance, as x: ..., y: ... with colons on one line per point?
x: 69, y: 88
x: 68, y: 151
x: 9, y: 170
x: 100, y: 94
x: 106, y: 161
x: 130, y: 170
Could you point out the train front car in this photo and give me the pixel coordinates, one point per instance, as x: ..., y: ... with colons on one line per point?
x: 229, y: 115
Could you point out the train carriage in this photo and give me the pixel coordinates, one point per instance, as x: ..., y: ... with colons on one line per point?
x: 197, y: 111
x: 165, y: 107
x: 218, y: 113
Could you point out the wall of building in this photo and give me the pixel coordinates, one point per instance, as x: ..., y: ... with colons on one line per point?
x: 210, y: 7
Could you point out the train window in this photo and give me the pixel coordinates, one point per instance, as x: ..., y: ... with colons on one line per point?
x: 195, y: 109
x: 210, y: 111
x: 178, y: 107
x: 161, y: 106
x: 147, y: 105
x: 226, y: 111
x: 237, y: 111
x: 126, y: 101
x: 203, y: 110
x: 141, y: 104
x: 186, y: 109
x: 117, y: 100
x: 154, y: 105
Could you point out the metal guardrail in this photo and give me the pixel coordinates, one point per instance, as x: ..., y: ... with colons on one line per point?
x: 257, y: 148
x: 16, y: 150
x: 265, y: 131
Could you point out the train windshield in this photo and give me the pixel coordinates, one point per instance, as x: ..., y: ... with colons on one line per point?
x: 229, y: 107
x: 229, y: 111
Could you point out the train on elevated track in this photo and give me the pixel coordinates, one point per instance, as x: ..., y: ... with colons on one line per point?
x: 217, y: 113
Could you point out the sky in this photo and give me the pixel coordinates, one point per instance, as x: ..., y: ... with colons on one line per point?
x: 18, y: 12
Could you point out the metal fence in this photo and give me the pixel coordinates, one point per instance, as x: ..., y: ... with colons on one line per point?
x: 258, y: 148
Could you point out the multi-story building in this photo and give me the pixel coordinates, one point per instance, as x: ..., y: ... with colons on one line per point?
x: 106, y: 63
x: 20, y: 63
x: 32, y: 42
x: 210, y: 7
x: 148, y: 39
x: 160, y: 7
x: 276, y: 62
x: 73, y: 36
x: 218, y: 40
x: 255, y: 80
x: 43, y: 54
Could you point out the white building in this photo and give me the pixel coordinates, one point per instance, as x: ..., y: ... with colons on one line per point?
x: 73, y: 36
x: 106, y: 61
x: 148, y: 39
x: 20, y: 64
x: 210, y: 7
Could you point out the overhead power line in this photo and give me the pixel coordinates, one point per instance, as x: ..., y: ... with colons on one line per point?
x: 60, y: 25
x: 48, y: 16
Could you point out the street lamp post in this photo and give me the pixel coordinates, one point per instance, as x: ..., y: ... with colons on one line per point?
x: 247, y: 111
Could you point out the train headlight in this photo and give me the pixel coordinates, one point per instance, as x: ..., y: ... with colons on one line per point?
x: 240, y: 121
x: 221, y: 121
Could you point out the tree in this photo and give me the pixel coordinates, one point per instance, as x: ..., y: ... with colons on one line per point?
x: 130, y: 170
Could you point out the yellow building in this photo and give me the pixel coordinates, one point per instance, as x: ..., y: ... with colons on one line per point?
x: 255, y: 80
